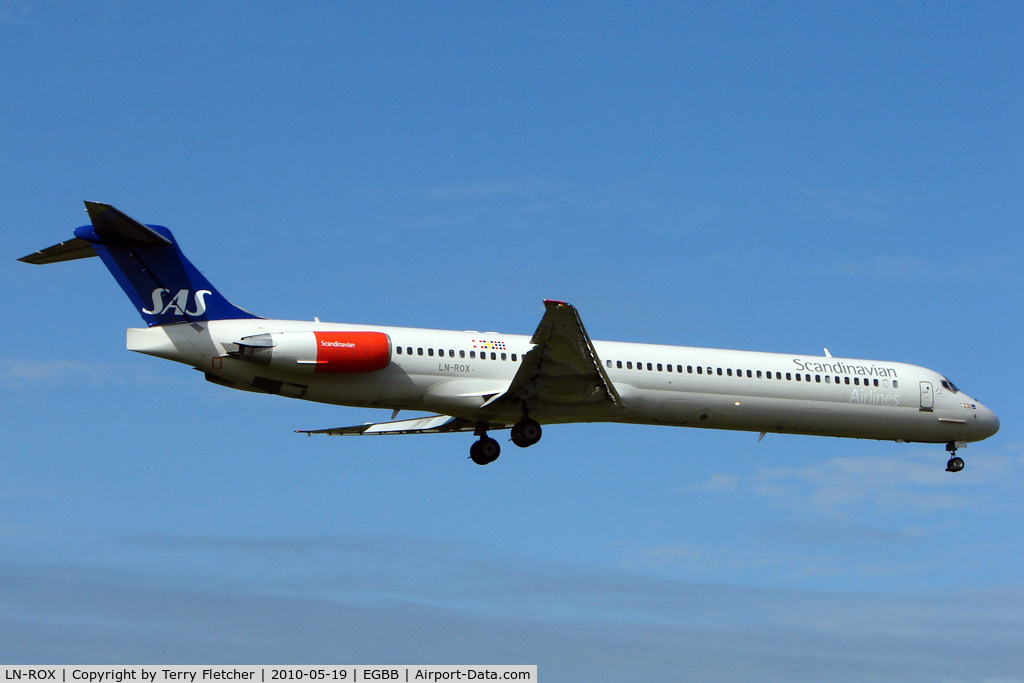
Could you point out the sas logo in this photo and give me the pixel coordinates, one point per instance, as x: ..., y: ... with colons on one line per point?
x: 164, y: 303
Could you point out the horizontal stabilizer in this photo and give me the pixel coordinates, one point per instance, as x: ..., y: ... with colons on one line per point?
x: 116, y: 229
x: 65, y: 251
x: 432, y: 424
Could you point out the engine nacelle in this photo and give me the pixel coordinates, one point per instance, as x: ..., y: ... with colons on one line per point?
x: 320, y: 352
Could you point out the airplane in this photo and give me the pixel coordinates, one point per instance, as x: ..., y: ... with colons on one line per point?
x: 480, y: 382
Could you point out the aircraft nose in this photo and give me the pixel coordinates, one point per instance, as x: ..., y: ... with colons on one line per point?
x: 985, y: 422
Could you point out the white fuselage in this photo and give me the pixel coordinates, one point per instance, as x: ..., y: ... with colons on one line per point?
x: 455, y: 373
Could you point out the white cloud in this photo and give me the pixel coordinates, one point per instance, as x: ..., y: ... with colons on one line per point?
x: 843, y: 486
x: 634, y: 628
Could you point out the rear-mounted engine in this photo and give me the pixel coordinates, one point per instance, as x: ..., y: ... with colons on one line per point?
x: 321, y: 352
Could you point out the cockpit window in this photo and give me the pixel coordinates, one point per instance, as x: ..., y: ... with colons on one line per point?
x: 949, y: 385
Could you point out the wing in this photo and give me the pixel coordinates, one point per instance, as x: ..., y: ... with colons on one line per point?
x: 562, y: 369
x: 432, y: 424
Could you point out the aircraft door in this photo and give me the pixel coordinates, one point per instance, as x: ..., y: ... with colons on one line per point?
x: 927, y: 398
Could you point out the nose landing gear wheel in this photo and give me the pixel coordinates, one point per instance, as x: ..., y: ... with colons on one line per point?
x: 485, y: 451
x: 956, y: 463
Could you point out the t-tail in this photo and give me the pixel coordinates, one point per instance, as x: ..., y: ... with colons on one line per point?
x: 146, y: 261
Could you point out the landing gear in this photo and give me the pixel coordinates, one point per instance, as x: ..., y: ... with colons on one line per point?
x: 485, y: 451
x: 956, y: 463
x: 526, y: 432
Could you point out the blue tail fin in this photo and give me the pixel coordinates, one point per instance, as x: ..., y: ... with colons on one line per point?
x: 145, y: 260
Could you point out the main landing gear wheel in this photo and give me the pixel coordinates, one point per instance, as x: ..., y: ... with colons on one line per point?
x: 956, y: 463
x: 526, y: 432
x: 485, y: 451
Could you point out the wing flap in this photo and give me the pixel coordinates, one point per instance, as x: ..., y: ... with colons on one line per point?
x: 432, y: 424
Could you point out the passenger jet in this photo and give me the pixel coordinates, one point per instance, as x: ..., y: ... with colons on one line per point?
x: 480, y: 382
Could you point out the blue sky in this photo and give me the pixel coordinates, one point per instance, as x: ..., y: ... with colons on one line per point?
x: 779, y: 177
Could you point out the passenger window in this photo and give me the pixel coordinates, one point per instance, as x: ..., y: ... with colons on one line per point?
x: 828, y: 379
x: 789, y: 375
x: 408, y: 350
x: 895, y: 384
x: 659, y: 367
x: 728, y: 371
x: 513, y: 358
x: 817, y: 379
x: 856, y: 381
x: 798, y: 377
x: 618, y: 364
x: 719, y: 372
x: 399, y: 349
x: 669, y: 367
x: 650, y: 367
x: 608, y: 363
x: 759, y: 374
x: 419, y: 351
x: 503, y: 356
x: 430, y: 352
x: 629, y: 365
x: 472, y: 354
x: 462, y: 353
x: 494, y: 356
x: 700, y: 370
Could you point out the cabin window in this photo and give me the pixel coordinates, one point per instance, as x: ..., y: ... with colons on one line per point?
x: 798, y: 377
x: 669, y: 367
x: 828, y: 379
x: 399, y: 350
x: 629, y: 365
x: 719, y: 372
x: 789, y: 375
x: 419, y: 351
x: 700, y: 370
x: 472, y: 354
x: 494, y: 355
x: 817, y: 379
x: 503, y: 356
x: 618, y: 364
x: 895, y: 384
x: 462, y: 353
x: 513, y: 358
x: 430, y: 352
x: 650, y: 366
x: 659, y: 367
